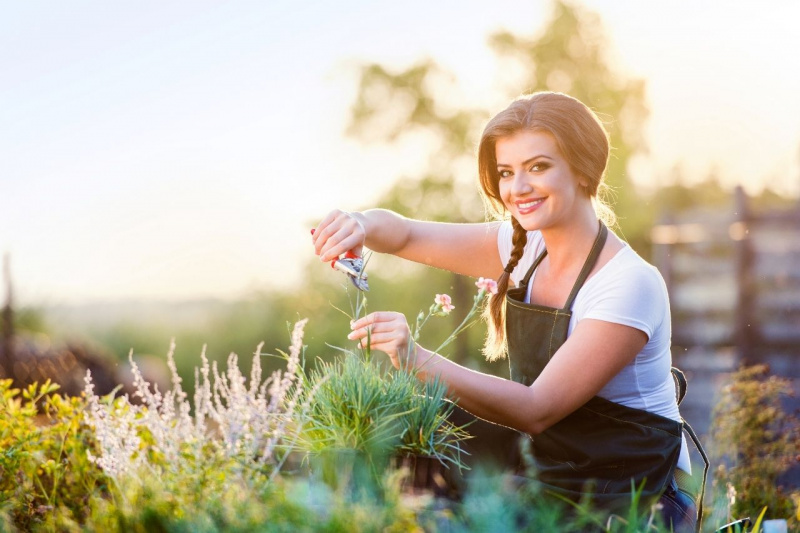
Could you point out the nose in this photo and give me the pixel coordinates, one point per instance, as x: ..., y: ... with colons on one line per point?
x: 521, y: 184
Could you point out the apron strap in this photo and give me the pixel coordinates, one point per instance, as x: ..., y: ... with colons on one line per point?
x: 680, y: 392
x: 594, y: 253
x: 680, y: 384
x: 597, y: 247
x: 700, y: 497
x: 527, y: 278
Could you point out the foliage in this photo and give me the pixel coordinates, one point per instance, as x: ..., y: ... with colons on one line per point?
x: 45, y: 471
x: 755, y: 441
x: 362, y: 410
x: 360, y: 407
x: 231, y: 420
x: 49, y: 482
x: 570, y: 56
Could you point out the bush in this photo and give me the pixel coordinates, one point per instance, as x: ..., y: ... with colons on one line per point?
x: 755, y: 441
x: 45, y: 471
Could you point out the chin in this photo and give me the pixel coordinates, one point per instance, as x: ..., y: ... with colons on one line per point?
x: 532, y: 223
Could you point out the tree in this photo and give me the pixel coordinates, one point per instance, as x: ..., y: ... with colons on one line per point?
x: 569, y: 56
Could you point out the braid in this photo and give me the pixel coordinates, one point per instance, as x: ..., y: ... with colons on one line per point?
x: 495, y: 310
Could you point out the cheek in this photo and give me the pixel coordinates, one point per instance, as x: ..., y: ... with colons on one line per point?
x: 503, y: 190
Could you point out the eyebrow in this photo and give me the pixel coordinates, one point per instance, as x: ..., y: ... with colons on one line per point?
x: 529, y: 160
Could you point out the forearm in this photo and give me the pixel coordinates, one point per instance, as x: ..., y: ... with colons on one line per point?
x: 438, y: 244
x: 494, y: 399
x: 386, y: 231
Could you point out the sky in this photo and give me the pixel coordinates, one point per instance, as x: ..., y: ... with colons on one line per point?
x: 181, y: 150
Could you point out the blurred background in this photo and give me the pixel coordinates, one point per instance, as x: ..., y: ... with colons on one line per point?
x: 162, y: 163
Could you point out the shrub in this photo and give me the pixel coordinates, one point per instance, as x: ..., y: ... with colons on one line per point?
x: 755, y: 441
x: 45, y: 471
x: 375, y: 413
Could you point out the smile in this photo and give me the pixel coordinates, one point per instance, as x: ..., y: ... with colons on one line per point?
x: 529, y: 205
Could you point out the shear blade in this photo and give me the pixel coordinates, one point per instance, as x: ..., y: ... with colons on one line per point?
x: 360, y: 283
x: 353, y: 268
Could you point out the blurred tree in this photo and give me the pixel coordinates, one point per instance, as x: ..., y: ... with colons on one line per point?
x: 569, y: 56
x: 390, y: 105
x: 708, y: 194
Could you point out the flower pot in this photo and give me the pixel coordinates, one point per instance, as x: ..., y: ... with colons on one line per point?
x: 425, y: 474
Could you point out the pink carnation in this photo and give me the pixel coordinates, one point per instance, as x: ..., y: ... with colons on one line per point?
x: 445, y: 302
x: 487, y: 284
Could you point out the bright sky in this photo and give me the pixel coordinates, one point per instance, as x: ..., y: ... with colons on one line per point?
x: 181, y: 149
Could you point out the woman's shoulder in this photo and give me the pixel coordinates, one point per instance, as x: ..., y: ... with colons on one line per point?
x: 628, y: 269
x: 627, y: 290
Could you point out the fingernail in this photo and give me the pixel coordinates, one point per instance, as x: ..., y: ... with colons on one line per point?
x: 352, y: 322
x: 351, y: 336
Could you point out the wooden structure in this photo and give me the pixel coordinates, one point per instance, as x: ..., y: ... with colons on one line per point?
x: 734, y: 283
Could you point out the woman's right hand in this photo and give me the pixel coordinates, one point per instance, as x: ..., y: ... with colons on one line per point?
x: 338, y: 233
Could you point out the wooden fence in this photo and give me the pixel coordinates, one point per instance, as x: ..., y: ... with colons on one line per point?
x: 734, y: 282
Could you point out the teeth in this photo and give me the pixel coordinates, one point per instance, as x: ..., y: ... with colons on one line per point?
x: 526, y: 205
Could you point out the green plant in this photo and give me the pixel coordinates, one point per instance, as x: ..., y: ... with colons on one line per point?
x: 361, y: 407
x: 755, y: 441
x: 45, y: 469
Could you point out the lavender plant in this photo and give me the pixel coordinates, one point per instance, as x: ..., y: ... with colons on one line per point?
x: 233, y: 419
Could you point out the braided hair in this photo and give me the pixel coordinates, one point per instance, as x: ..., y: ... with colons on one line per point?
x: 495, y: 310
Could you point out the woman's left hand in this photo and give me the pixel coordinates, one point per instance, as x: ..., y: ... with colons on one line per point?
x: 388, y: 332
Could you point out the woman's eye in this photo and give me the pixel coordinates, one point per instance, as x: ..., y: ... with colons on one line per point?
x: 539, y: 167
x: 504, y: 173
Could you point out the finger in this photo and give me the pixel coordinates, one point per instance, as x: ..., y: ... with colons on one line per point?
x: 378, y: 327
x: 360, y: 333
x: 375, y: 318
x: 390, y: 349
x: 317, y: 232
x: 329, y: 225
x: 340, y: 242
x: 386, y: 338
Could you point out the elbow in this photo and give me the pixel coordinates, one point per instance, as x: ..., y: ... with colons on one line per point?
x: 538, y: 421
x: 535, y: 418
x: 535, y: 427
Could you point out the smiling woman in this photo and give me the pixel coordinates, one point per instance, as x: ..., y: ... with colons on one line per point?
x: 586, y: 327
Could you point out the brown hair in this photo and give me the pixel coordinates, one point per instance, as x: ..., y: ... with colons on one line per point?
x: 583, y: 142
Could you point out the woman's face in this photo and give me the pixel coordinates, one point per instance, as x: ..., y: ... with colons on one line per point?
x: 536, y: 184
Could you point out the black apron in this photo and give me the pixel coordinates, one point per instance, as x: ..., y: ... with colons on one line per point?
x: 599, y: 448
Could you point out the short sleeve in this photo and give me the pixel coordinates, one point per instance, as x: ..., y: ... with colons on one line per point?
x: 635, y: 296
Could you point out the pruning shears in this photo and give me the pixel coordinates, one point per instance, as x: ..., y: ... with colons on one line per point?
x: 353, y: 266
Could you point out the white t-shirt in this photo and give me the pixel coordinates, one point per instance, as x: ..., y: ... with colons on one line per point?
x: 629, y: 291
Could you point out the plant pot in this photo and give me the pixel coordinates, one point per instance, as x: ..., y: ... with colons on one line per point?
x: 425, y: 474
x: 347, y: 469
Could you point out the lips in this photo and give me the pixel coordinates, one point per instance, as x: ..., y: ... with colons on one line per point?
x: 528, y: 205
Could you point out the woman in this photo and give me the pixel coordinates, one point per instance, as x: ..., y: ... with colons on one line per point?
x: 586, y: 328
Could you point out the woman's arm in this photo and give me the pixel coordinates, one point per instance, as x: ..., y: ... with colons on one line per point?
x: 594, y: 353
x: 469, y: 249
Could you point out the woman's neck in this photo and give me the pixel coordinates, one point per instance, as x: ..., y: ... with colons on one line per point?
x: 569, y: 244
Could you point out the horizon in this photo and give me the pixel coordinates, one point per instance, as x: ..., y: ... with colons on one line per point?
x: 180, y: 153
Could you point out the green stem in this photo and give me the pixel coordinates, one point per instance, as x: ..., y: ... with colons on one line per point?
x: 466, y: 323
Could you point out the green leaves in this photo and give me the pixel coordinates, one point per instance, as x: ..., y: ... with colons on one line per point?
x: 755, y: 440
x: 44, y: 470
x: 362, y: 407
